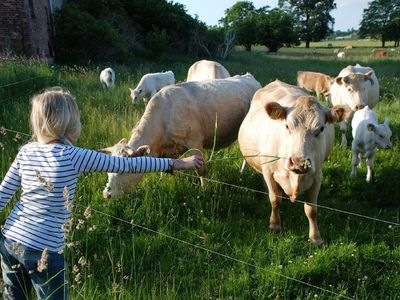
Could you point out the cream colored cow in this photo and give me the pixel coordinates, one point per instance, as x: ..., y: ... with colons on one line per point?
x: 356, y: 86
x: 314, y: 82
x: 187, y: 116
x: 287, y: 123
x: 206, y: 69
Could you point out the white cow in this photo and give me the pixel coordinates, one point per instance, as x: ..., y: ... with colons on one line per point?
x: 188, y: 116
x: 150, y: 84
x: 355, y: 86
x: 341, y: 55
x: 286, y: 136
x: 368, y: 134
x: 107, y: 78
x: 206, y: 69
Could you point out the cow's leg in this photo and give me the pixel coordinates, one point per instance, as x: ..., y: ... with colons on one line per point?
x: 275, y: 194
x: 244, y: 166
x: 343, y: 130
x: 370, y: 169
x: 355, y: 161
x: 311, y: 209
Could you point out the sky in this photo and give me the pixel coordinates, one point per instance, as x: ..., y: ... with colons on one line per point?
x: 348, y: 13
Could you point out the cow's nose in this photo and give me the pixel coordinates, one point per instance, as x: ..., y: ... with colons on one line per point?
x: 106, y: 195
x: 388, y: 146
x: 299, y: 165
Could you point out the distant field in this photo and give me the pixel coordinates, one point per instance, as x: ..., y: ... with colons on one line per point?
x: 215, y: 243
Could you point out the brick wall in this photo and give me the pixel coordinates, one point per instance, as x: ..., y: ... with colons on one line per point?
x: 26, y: 28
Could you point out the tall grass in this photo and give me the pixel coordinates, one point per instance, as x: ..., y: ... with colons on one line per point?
x: 214, y: 242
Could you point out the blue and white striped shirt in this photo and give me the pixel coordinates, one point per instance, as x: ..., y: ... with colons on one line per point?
x: 47, y: 174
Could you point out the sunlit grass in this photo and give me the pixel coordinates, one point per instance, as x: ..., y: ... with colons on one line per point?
x: 215, y: 243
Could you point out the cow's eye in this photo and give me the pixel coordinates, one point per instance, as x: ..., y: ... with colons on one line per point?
x: 349, y: 89
x: 319, y: 131
x: 287, y: 128
x: 381, y: 136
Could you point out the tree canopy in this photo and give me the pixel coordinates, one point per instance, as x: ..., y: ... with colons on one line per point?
x: 313, y: 19
x: 381, y: 20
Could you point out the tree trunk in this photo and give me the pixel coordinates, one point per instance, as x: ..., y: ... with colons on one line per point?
x: 307, y: 44
x: 248, y: 48
x: 383, y: 43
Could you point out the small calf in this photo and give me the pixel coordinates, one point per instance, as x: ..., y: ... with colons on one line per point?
x: 341, y: 55
x: 107, y: 78
x: 314, y: 82
x: 368, y: 134
x: 150, y: 84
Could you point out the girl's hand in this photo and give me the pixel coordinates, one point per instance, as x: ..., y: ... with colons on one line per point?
x: 192, y: 162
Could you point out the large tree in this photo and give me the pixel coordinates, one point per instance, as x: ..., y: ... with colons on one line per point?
x: 381, y: 20
x: 241, y: 19
x: 314, y: 21
x: 276, y: 29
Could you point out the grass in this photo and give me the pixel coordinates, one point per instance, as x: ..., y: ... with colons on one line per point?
x: 215, y: 243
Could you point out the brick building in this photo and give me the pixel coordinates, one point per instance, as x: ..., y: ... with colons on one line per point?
x: 26, y: 27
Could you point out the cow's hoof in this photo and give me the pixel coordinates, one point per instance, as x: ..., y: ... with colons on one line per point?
x: 316, y: 241
x: 275, y: 228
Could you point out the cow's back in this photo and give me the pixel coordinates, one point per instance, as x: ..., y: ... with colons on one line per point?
x: 206, y: 69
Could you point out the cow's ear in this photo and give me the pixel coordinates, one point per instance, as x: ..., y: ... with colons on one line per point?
x: 368, y: 77
x: 131, y: 90
x: 371, y: 127
x: 386, y: 122
x: 276, y: 111
x: 339, y: 80
x: 338, y: 113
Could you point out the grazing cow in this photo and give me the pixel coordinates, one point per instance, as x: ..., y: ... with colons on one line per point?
x: 368, y: 134
x: 285, y: 122
x: 378, y: 53
x: 341, y: 55
x: 107, y: 78
x: 336, y: 51
x: 355, y: 86
x: 348, y: 47
x: 188, y: 116
x: 206, y: 69
x: 150, y: 84
x: 314, y: 82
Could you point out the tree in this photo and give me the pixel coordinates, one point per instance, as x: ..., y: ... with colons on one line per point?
x: 381, y: 21
x: 313, y: 19
x: 241, y: 19
x: 276, y: 29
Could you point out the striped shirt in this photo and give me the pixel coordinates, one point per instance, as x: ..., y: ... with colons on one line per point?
x: 47, y: 174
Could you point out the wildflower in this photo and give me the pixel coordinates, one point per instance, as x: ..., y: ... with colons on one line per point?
x: 17, y: 249
x: 70, y: 244
x: 3, y: 131
x: 67, y: 226
x: 42, y: 263
x: 82, y: 261
x: 47, y: 185
x: 1, y: 146
x: 80, y: 224
x: 75, y: 269
x: 88, y: 212
x: 68, y: 203
x: 78, y: 278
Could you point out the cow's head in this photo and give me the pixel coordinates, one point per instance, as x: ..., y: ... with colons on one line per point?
x: 355, y: 87
x: 303, y: 131
x: 118, y: 184
x: 382, y: 134
x: 136, y: 94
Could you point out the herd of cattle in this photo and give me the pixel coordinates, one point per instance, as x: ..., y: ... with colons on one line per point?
x: 283, y: 132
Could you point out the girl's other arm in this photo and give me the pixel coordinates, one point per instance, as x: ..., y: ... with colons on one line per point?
x: 10, y: 184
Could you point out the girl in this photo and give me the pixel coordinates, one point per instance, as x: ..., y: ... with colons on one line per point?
x: 47, y: 170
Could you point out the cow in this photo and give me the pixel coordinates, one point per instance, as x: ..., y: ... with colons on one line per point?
x: 206, y: 69
x: 341, y: 55
x: 355, y: 86
x: 286, y: 136
x: 150, y: 84
x: 107, y: 78
x: 378, y: 53
x: 189, y: 116
x: 368, y: 134
x: 314, y: 82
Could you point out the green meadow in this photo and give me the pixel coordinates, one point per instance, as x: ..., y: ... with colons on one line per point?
x: 170, y: 239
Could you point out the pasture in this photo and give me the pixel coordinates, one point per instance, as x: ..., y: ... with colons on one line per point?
x: 170, y: 239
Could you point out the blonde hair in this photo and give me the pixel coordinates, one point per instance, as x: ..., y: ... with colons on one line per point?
x: 55, y: 115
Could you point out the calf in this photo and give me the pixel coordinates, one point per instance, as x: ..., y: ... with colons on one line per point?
x: 355, y: 86
x: 341, y: 55
x: 150, y: 84
x: 314, y: 82
x: 368, y: 134
x: 285, y: 122
x: 107, y: 78
x: 378, y: 53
